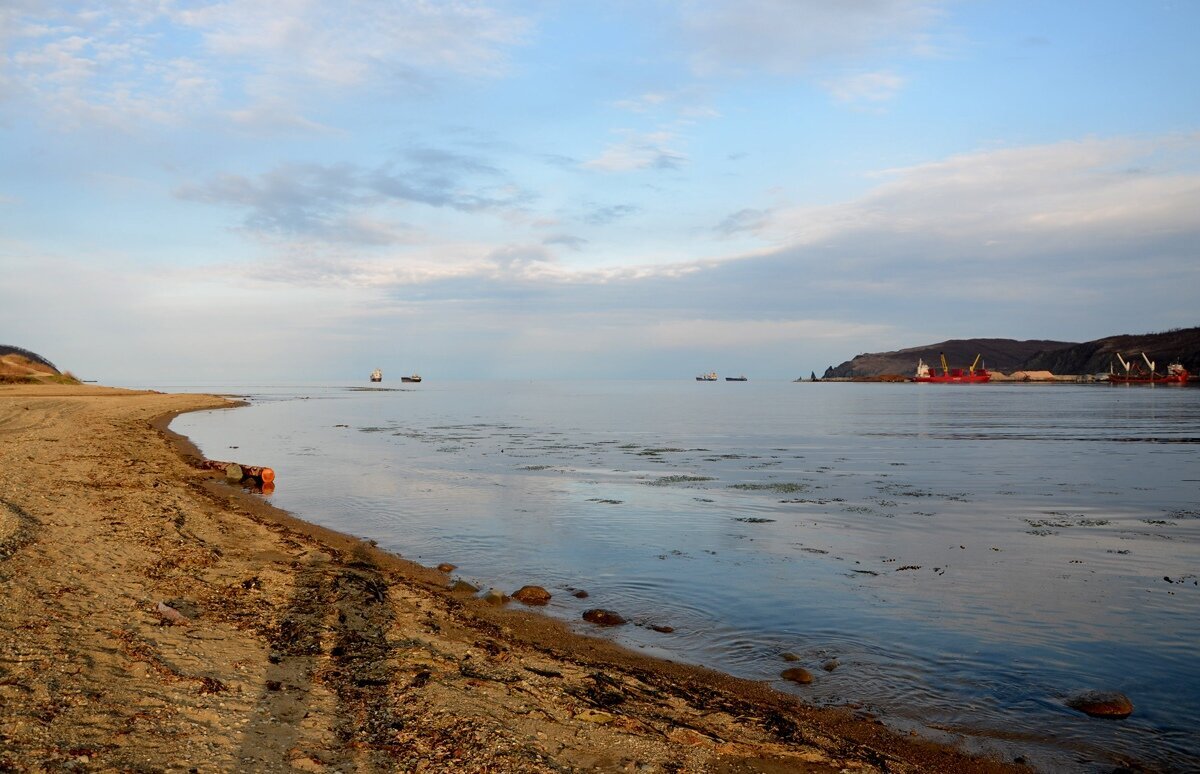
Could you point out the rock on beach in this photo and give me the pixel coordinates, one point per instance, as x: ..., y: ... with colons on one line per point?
x: 1102, y: 704
x: 797, y: 675
x: 531, y: 595
x: 602, y: 617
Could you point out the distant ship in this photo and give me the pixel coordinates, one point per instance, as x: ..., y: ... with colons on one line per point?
x: 711, y: 376
x: 413, y: 378
x: 736, y: 378
x: 377, y: 375
x: 1133, y: 373
x: 949, y: 375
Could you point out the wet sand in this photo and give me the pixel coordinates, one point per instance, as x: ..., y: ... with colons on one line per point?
x: 305, y: 649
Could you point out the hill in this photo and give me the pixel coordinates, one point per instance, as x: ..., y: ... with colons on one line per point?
x: 21, y: 365
x: 32, y: 357
x: 1181, y: 345
x: 997, y: 355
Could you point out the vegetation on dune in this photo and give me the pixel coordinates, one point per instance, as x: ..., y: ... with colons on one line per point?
x: 20, y: 366
x: 8, y: 349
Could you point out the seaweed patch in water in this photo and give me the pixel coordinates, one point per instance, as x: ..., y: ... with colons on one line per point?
x: 753, y: 519
x: 668, y: 480
x: 604, y: 500
x: 1069, y: 521
x: 783, y: 488
x: 678, y: 479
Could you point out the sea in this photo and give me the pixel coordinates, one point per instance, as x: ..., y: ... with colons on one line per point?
x: 966, y: 558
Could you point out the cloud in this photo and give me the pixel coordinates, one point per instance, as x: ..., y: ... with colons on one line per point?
x: 790, y: 36
x: 637, y: 152
x: 1015, y: 200
x: 642, y: 103
x: 860, y: 88
x: 358, y: 39
x: 566, y: 240
x: 742, y: 220
x: 125, y: 63
x: 333, y: 201
x: 602, y: 216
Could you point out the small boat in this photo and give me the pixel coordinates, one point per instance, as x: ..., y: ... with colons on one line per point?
x: 736, y: 378
x: 711, y: 376
x: 413, y: 378
x: 377, y: 375
x: 950, y: 375
x: 1133, y: 373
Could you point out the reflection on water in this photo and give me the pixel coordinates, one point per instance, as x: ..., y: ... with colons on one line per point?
x: 969, y: 556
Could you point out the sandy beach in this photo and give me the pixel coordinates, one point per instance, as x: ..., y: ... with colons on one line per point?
x: 155, y: 618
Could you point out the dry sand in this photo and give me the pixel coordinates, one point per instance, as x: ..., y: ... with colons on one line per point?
x: 308, y: 650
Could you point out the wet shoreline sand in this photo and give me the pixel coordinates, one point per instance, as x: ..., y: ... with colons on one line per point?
x: 306, y: 649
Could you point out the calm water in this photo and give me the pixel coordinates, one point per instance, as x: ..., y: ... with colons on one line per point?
x: 970, y: 556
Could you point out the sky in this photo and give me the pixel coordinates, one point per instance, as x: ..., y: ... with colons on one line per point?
x: 301, y: 190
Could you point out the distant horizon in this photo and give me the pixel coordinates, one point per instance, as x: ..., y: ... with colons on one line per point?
x: 392, y: 374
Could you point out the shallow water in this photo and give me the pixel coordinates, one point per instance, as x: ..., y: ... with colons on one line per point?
x: 970, y: 555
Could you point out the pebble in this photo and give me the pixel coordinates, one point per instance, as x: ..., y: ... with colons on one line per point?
x: 447, y: 567
x: 461, y: 586
x: 790, y: 657
x: 830, y: 665
x: 1102, y: 704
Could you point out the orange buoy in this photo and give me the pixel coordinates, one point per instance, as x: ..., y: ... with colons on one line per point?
x: 268, y: 487
x: 267, y: 475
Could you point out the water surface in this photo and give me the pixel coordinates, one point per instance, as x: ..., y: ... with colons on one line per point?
x: 969, y: 555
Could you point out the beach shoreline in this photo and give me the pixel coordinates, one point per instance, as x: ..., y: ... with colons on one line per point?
x: 297, y: 647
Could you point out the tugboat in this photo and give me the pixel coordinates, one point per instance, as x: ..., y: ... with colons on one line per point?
x: 711, y: 376
x: 1133, y: 373
x: 413, y: 378
x: 377, y: 375
x: 948, y: 375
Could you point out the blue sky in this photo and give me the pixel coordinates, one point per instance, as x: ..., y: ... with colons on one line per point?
x: 308, y: 190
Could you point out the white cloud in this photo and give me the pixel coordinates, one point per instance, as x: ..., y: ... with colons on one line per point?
x: 860, y: 88
x: 347, y: 42
x: 639, y: 151
x: 125, y: 63
x: 789, y: 36
x: 1016, y: 199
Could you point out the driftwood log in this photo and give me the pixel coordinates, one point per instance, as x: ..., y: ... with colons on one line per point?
x: 236, y: 472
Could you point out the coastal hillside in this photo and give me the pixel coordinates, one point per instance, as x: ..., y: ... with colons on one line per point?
x: 997, y: 355
x: 21, y: 365
x: 1181, y: 345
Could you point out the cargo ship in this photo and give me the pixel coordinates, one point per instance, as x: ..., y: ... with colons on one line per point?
x: 741, y: 378
x: 1133, y: 373
x: 413, y: 378
x: 972, y: 375
x: 711, y: 376
x: 377, y: 375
